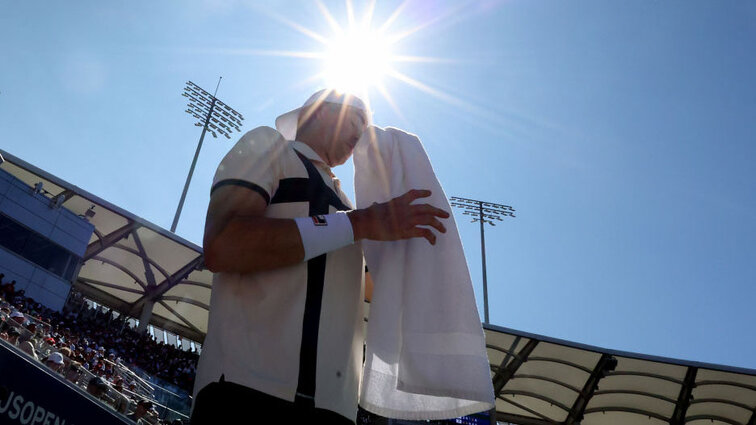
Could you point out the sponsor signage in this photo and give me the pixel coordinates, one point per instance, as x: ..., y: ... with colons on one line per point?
x: 31, y: 394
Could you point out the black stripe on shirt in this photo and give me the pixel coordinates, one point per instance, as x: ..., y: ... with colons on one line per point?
x: 243, y: 183
x: 320, y: 197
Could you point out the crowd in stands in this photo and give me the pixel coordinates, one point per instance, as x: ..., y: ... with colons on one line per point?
x: 92, y: 348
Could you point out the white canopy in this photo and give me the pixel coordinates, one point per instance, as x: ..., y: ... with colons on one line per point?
x: 130, y: 261
x: 540, y: 380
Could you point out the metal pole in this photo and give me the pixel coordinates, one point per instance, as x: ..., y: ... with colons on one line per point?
x: 194, y: 162
x: 191, y: 169
x: 484, y: 212
x: 483, y: 256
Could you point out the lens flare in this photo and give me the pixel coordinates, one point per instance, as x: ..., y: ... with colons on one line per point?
x: 357, y: 60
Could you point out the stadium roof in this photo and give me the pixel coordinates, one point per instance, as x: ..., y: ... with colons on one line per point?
x: 544, y: 381
x: 130, y: 261
x: 538, y: 380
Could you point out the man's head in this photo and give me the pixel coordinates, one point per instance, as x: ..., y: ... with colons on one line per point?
x: 330, y: 122
x: 97, y: 387
x: 54, y: 361
x: 13, y: 335
x: 143, y: 406
x: 18, y: 317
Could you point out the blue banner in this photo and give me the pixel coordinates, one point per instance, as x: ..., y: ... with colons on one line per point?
x: 31, y: 394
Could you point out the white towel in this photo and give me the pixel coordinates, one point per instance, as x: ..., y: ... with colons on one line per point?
x: 425, y: 355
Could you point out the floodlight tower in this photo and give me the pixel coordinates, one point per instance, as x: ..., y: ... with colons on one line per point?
x: 213, y: 115
x: 483, y: 212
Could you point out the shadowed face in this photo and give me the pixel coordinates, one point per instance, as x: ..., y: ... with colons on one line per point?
x: 336, y: 129
x: 348, y: 124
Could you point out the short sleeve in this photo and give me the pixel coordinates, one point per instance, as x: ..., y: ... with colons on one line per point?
x: 255, y: 162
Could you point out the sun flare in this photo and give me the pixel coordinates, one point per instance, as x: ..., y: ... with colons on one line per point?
x: 357, y: 60
x: 360, y: 58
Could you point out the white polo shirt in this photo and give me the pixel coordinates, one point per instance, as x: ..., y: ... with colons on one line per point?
x: 296, y: 331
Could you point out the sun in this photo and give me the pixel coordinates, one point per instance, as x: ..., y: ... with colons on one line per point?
x: 361, y: 59
x: 357, y: 60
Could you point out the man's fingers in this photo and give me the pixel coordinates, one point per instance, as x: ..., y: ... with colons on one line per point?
x: 428, y: 220
x: 437, y: 224
x: 415, y: 194
x: 422, y: 232
x: 430, y: 209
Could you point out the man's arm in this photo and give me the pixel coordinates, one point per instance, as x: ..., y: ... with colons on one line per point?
x: 239, y: 239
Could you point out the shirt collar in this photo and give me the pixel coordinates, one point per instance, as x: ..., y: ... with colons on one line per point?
x: 307, y: 151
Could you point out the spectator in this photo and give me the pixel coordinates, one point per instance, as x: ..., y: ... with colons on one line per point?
x: 28, y: 348
x: 55, y: 362
x: 73, y: 372
x: 18, y: 317
x: 13, y: 335
x: 98, y: 387
x: 143, y: 406
x: 9, y: 290
x: 91, y: 340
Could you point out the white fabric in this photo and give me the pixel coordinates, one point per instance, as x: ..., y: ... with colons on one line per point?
x: 324, y: 233
x: 286, y: 124
x: 425, y: 355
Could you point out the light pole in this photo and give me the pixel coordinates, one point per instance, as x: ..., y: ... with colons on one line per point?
x: 483, y: 212
x: 213, y: 115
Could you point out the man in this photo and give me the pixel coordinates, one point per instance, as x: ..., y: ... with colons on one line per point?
x: 98, y: 388
x: 142, y: 408
x: 55, y: 361
x: 18, y: 317
x: 285, y: 329
x: 13, y: 335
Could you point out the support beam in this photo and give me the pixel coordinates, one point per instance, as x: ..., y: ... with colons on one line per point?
x: 536, y: 395
x: 173, y: 280
x: 547, y: 379
x: 194, y: 283
x: 521, y: 420
x: 108, y: 285
x: 683, y: 399
x: 527, y: 409
x: 605, y: 364
x: 722, y: 401
x: 640, y: 393
x: 145, y: 316
x: 62, y: 197
x: 121, y: 268
x: 731, y: 383
x: 177, y: 314
x: 713, y: 418
x: 101, y: 297
x: 560, y: 361
x: 186, y: 300
x: 647, y: 375
x: 106, y: 241
x: 505, y: 373
x: 149, y: 276
x: 152, y: 262
x: 627, y: 410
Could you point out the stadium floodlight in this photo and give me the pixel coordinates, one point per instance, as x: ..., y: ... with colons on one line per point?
x: 212, y: 115
x: 483, y: 212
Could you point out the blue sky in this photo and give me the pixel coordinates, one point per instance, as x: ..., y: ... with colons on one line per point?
x: 622, y: 132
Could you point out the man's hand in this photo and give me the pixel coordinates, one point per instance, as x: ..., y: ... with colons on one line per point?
x: 398, y: 219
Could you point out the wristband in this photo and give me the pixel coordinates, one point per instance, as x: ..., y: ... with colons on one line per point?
x: 324, y: 233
